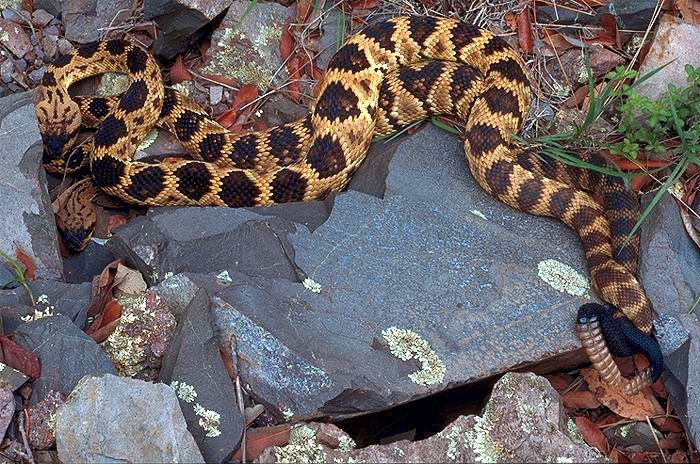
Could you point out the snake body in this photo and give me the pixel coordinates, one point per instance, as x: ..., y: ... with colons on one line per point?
x: 392, y: 73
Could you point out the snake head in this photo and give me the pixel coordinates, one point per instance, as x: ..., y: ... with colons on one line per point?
x: 59, y: 121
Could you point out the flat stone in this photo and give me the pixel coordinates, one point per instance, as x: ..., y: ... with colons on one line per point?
x: 41, y: 416
x: 136, y: 421
x: 179, y: 20
x: 84, y: 19
x: 65, y: 352
x: 7, y: 410
x: 83, y: 266
x: 26, y: 217
x: 635, y: 433
x: 674, y: 46
x: 246, y: 46
x: 524, y: 421
x: 629, y: 14
x: 14, y: 38
x: 41, y: 17
x: 11, y: 379
x: 666, y: 246
x: 51, y: 297
x: 193, y: 364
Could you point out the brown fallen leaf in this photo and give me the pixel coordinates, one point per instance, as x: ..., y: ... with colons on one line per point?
x: 304, y: 9
x: 287, y: 41
x: 671, y: 443
x: 592, y: 434
x: 129, y: 280
x: 179, y: 72
x: 27, y: 262
x: 560, y: 382
x: 636, y: 407
x: 294, y: 68
x: 18, y: 358
x: 690, y: 10
x: 679, y: 457
x: 246, y: 94
x: 106, y: 323
x: 617, y: 457
x: 525, y: 39
x: 580, y: 400
x: 668, y: 424
x: 258, y: 440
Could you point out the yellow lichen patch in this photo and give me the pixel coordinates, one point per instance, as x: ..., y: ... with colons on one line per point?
x: 184, y: 391
x: 302, y: 447
x: 406, y: 344
x: 311, y: 284
x: 563, y: 277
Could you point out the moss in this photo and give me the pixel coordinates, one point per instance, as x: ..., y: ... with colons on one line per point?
x: 346, y: 444
x: 405, y: 345
x: 302, y: 447
x: 113, y: 84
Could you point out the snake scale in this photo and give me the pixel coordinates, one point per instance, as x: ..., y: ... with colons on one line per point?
x: 392, y: 73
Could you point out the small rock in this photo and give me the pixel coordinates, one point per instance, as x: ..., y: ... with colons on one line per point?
x: 11, y: 15
x: 84, y: 19
x: 50, y: 46
x: 216, y: 93
x: 26, y: 218
x: 7, y: 69
x: 524, y: 421
x: 328, y: 44
x: 83, y: 266
x: 65, y: 352
x: 11, y: 378
x: 115, y: 419
x: 30, y: 56
x: 245, y: 47
x: 42, y: 420
x: 37, y: 74
x: 142, y: 335
x: 51, y: 31
x: 41, y: 17
x: 179, y: 21
x: 34, y: 39
x: 279, y: 109
x: 64, y: 46
x: 635, y: 433
x: 50, y: 297
x: 672, y: 49
x: 20, y: 65
x: 193, y: 367
x: 7, y: 410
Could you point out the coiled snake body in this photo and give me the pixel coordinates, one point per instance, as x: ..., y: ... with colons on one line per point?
x: 391, y: 74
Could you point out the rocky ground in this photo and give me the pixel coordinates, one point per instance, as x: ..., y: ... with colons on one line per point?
x: 410, y: 318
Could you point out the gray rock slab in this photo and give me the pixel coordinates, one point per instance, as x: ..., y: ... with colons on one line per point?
x: 115, y: 419
x: 65, y: 352
x: 436, y: 255
x: 245, y: 47
x: 26, y: 215
x: 194, y: 361
x: 178, y: 20
x: 85, y: 20
x: 56, y: 297
x: 674, y: 46
x: 173, y: 240
x: 83, y: 266
x: 669, y: 273
x: 523, y: 421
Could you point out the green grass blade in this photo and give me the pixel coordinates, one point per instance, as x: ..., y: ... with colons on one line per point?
x: 444, y: 126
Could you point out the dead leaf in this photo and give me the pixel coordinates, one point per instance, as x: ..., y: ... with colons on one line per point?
x: 679, y: 457
x: 129, y: 280
x: 363, y: 4
x: 179, y: 72
x: 105, y: 324
x: 560, y: 382
x: 27, y: 262
x: 690, y: 10
x: 591, y: 434
x: 609, y: 36
x: 580, y: 400
x: 286, y: 41
x: 294, y: 71
x: 637, y: 407
x: 668, y: 424
x: 671, y: 443
x: 258, y: 440
x: 524, y: 25
x: 617, y: 457
x: 246, y: 94
x: 18, y: 358
x: 304, y: 9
